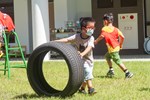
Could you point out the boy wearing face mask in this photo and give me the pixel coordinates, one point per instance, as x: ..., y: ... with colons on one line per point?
x: 84, y: 43
x: 114, y: 41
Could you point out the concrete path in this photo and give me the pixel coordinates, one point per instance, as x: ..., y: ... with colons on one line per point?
x: 144, y: 57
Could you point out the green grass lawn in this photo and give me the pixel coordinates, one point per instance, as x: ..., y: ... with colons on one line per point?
x: 56, y: 73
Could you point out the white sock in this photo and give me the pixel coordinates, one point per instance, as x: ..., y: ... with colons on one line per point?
x: 126, y: 71
x: 111, y: 69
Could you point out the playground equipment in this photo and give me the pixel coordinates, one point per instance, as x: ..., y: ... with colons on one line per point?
x: 36, y: 76
x: 7, y: 24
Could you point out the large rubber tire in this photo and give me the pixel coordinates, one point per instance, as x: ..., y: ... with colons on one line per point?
x: 35, y: 73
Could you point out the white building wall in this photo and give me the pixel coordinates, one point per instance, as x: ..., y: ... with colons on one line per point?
x: 72, y: 10
x: 21, y: 22
x: 60, y: 13
x: 84, y: 8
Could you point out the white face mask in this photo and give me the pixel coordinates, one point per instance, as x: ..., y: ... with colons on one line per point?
x: 90, y: 32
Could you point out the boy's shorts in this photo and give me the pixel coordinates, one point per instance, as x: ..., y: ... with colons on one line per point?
x: 114, y: 56
x: 88, y: 70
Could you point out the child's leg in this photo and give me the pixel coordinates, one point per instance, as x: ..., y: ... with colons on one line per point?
x: 110, y: 72
x: 108, y: 59
x: 89, y: 84
x: 83, y: 86
x: 117, y: 60
x: 89, y: 77
x: 91, y: 90
x: 1, y: 52
x: 109, y: 62
x: 88, y: 69
x: 127, y: 73
x: 123, y: 67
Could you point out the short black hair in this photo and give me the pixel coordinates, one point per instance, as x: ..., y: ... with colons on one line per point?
x: 109, y: 17
x: 85, y: 20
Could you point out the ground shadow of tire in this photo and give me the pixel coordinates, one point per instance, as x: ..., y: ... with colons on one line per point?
x: 34, y: 96
x: 26, y: 96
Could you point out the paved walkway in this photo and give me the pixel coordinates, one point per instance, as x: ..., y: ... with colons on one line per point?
x: 144, y: 57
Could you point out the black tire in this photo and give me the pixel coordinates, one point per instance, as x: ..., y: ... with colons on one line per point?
x: 35, y: 73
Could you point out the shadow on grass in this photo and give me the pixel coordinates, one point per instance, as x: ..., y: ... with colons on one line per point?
x: 144, y: 89
x: 103, y: 77
x: 26, y: 96
x: 31, y: 96
x: 100, y: 76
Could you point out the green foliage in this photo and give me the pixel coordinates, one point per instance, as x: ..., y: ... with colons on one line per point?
x: 56, y: 73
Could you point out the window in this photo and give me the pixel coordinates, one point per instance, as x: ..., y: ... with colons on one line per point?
x: 128, y: 3
x: 105, y: 3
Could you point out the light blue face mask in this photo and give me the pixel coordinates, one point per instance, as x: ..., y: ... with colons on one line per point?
x: 90, y: 32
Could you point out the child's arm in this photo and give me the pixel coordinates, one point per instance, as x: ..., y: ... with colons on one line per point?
x: 121, y: 40
x: 68, y: 39
x: 65, y: 40
x: 98, y: 39
x: 88, y: 49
